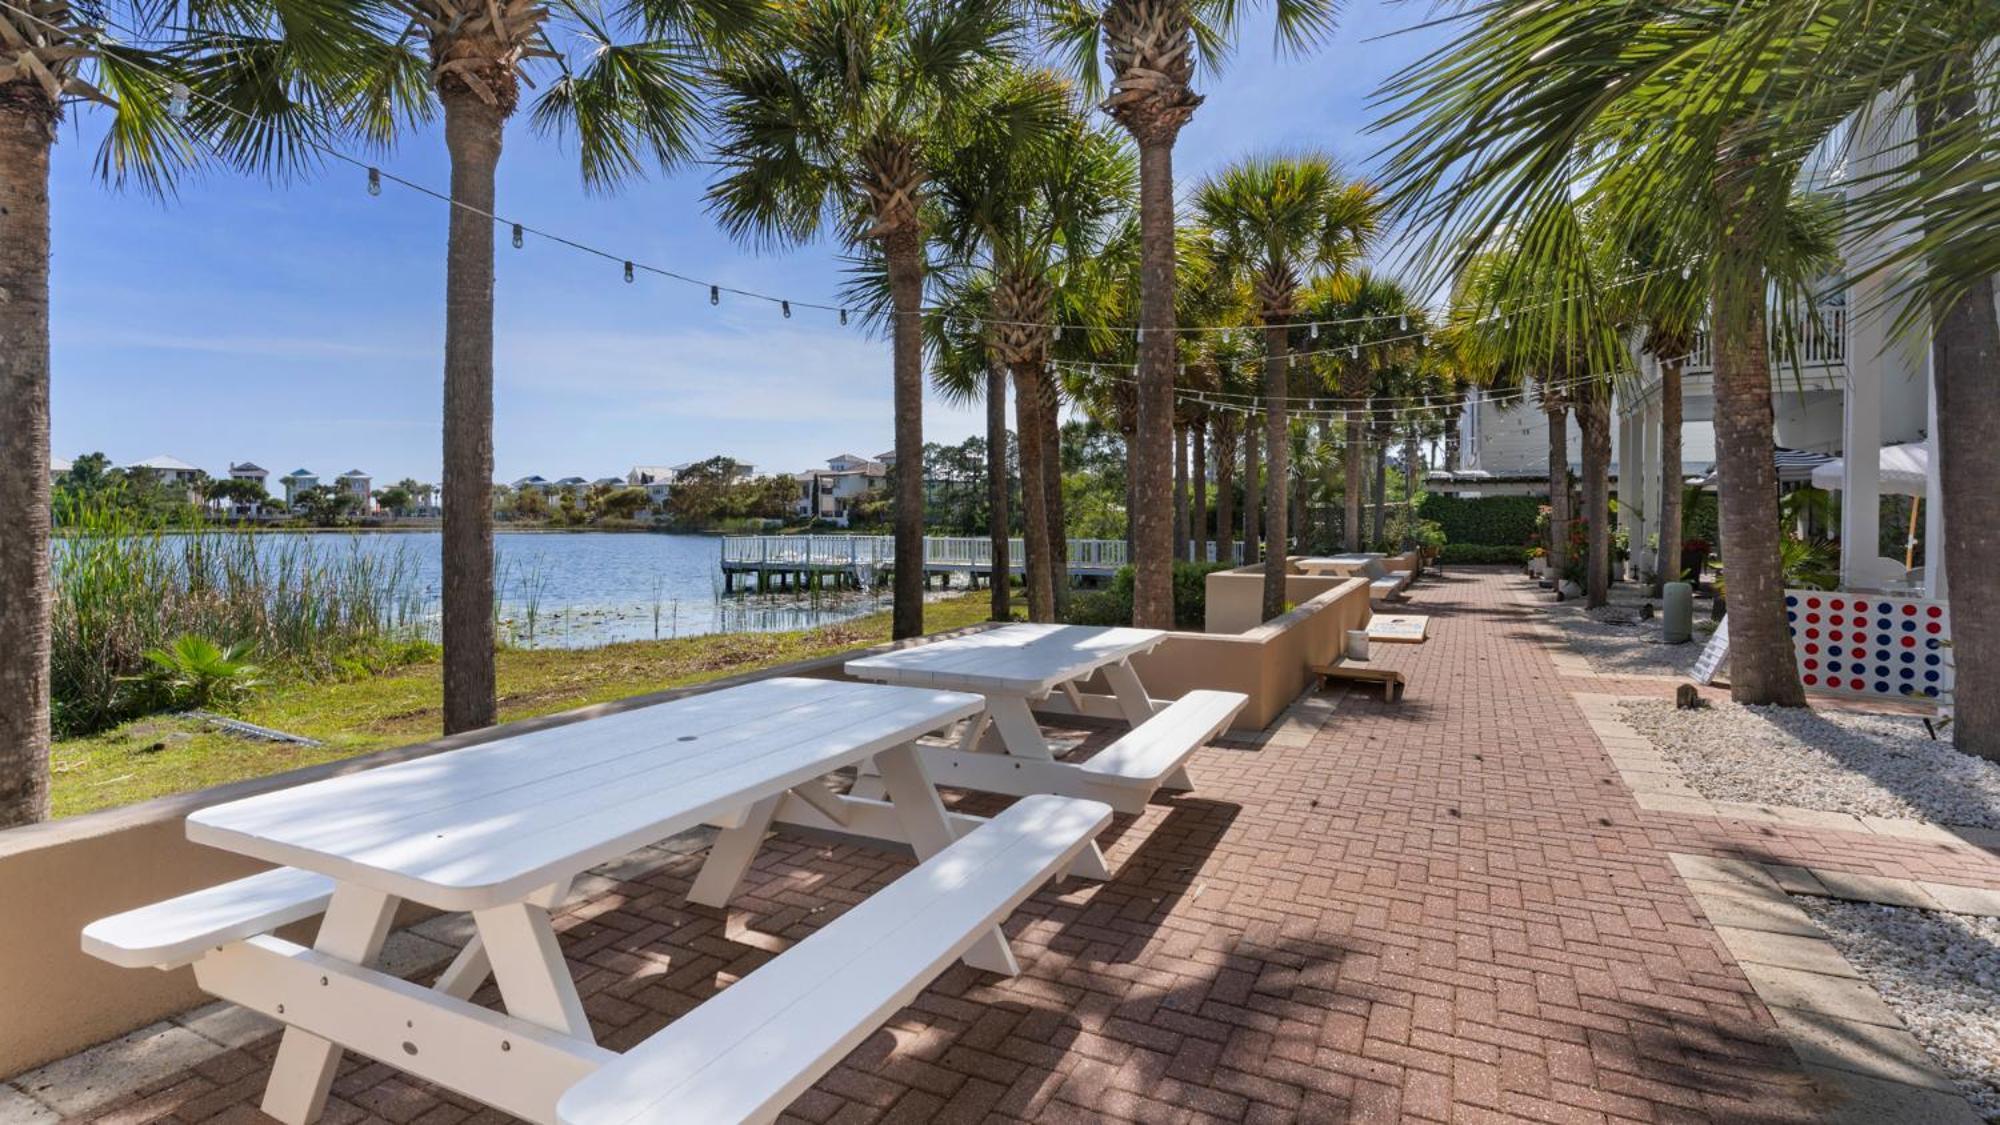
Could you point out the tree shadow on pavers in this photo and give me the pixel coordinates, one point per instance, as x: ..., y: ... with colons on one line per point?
x: 1124, y: 913
x: 1915, y: 778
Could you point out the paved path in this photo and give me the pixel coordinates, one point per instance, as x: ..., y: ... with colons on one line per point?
x: 1445, y: 910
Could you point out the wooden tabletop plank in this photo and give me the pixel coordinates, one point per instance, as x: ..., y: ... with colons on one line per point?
x: 1013, y: 659
x: 490, y: 824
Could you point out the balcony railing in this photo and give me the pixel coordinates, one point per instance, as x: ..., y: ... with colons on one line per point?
x: 1815, y: 342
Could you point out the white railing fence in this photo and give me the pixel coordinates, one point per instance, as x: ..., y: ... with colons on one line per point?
x: 880, y: 550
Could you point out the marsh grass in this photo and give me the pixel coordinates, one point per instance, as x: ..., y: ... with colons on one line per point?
x: 127, y: 583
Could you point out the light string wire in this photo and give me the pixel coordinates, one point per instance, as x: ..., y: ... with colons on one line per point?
x: 519, y: 229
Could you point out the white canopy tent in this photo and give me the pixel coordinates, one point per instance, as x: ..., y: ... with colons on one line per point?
x: 1905, y: 470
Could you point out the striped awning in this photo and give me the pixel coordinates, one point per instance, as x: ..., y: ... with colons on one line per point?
x: 1795, y: 466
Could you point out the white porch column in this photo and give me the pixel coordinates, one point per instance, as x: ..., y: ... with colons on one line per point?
x: 1935, y: 584
x: 1629, y: 502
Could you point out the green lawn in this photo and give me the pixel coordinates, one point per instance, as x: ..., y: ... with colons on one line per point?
x: 155, y: 756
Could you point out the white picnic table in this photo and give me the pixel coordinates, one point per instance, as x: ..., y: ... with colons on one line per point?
x: 1346, y: 564
x: 1016, y: 667
x: 502, y: 829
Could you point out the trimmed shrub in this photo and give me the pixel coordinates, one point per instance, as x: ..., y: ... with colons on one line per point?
x: 1505, y: 521
x: 1482, y: 554
x: 1114, y: 606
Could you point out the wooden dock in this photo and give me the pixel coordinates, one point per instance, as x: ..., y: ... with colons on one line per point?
x: 806, y: 562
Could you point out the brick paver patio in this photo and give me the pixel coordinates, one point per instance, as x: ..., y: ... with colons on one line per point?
x: 1448, y: 909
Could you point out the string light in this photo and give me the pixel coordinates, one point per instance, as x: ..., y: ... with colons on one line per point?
x: 628, y: 273
x: 374, y: 181
x: 177, y: 102
x: 517, y: 236
x: 843, y: 318
x: 787, y: 307
x: 715, y: 294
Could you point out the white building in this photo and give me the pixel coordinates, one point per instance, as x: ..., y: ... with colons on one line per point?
x: 831, y: 493
x: 171, y: 472
x: 58, y: 466
x: 250, y: 471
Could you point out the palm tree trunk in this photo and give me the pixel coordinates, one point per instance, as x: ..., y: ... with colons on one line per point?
x: 1180, y: 492
x: 1253, y: 497
x: 1558, y: 544
x: 1034, y: 492
x: 1352, y: 486
x: 1761, y: 662
x: 27, y: 130
x: 1671, y: 486
x: 1153, y: 593
x: 1001, y: 577
x: 1452, y: 457
x: 1277, y: 477
x: 903, y: 252
x: 1052, y: 503
x: 1593, y: 416
x: 1377, y: 517
x: 1131, y: 500
x: 1225, y: 488
x: 472, y: 135
x: 1965, y: 351
x: 1198, y: 507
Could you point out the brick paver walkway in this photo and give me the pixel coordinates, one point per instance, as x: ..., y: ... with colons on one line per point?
x: 1444, y: 910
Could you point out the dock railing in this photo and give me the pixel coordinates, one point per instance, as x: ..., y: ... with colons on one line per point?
x: 941, y: 552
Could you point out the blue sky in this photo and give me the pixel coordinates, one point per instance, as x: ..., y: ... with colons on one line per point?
x: 302, y: 325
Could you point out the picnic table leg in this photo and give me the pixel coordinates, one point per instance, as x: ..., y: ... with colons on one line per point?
x: 472, y: 966
x: 1019, y: 732
x: 1133, y: 702
x: 729, y: 857
x: 528, y: 966
x: 357, y: 922
x: 923, y: 817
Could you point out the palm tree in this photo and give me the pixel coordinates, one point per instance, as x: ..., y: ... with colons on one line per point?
x: 1277, y: 221
x: 632, y: 98
x: 965, y: 367
x: 1527, y: 108
x: 1366, y: 325
x: 835, y: 123
x: 166, y: 107
x: 1151, y: 48
x: 1034, y: 198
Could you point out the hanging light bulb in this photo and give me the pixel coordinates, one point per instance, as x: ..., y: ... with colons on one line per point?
x: 517, y: 236
x: 628, y: 273
x: 1427, y: 339
x: 1403, y: 323
x: 1354, y: 351
x: 1314, y: 334
x: 715, y: 294
x: 1686, y: 272
x: 787, y: 306
x: 1058, y: 331
x: 374, y: 181
x: 843, y: 318
x: 177, y: 102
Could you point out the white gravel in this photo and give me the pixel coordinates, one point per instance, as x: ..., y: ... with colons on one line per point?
x: 1838, y: 761
x: 1941, y: 974
x: 1615, y: 641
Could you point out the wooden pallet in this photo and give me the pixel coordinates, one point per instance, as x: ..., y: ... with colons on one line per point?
x: 1391, y: 680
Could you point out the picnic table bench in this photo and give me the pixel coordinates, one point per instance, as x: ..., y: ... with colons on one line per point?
x: 1017, y: 666
x: 1383, y: 583
x: 502, y: 829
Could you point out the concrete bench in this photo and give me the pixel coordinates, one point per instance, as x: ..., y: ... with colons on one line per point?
x: 749, y: 1052
x: 1154, y: 755
x: 167, y: 935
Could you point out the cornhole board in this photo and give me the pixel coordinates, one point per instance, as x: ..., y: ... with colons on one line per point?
x: 1399, y: 628
x: 1391, y: 680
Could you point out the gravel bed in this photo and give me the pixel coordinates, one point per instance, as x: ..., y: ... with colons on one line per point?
x: 1615, y: 641
x: 1941, y: 974
x: 1839, y: 761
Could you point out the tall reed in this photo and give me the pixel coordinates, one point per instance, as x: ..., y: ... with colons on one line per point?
x: 126, y: 582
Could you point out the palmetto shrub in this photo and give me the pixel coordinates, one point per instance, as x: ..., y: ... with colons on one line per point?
x: 127, y: 584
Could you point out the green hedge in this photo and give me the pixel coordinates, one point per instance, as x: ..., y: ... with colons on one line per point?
x: 1481, y: 554
x: 1498, y: 521
x: 1114, y: 606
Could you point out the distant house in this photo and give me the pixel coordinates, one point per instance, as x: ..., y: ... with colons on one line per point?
x: 250, y: 471
x: 608, y: 482
x: 296, y: 483
x: 657, y: 480
x: 831, y: 493
x: 171, y: 472
x: 535, y: 483
x: 359, y: 485
x: 571, y: 484
x: 58, y: 466
x: 744, y: 470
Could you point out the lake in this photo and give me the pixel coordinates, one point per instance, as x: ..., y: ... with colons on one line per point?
x: 580, y: 589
